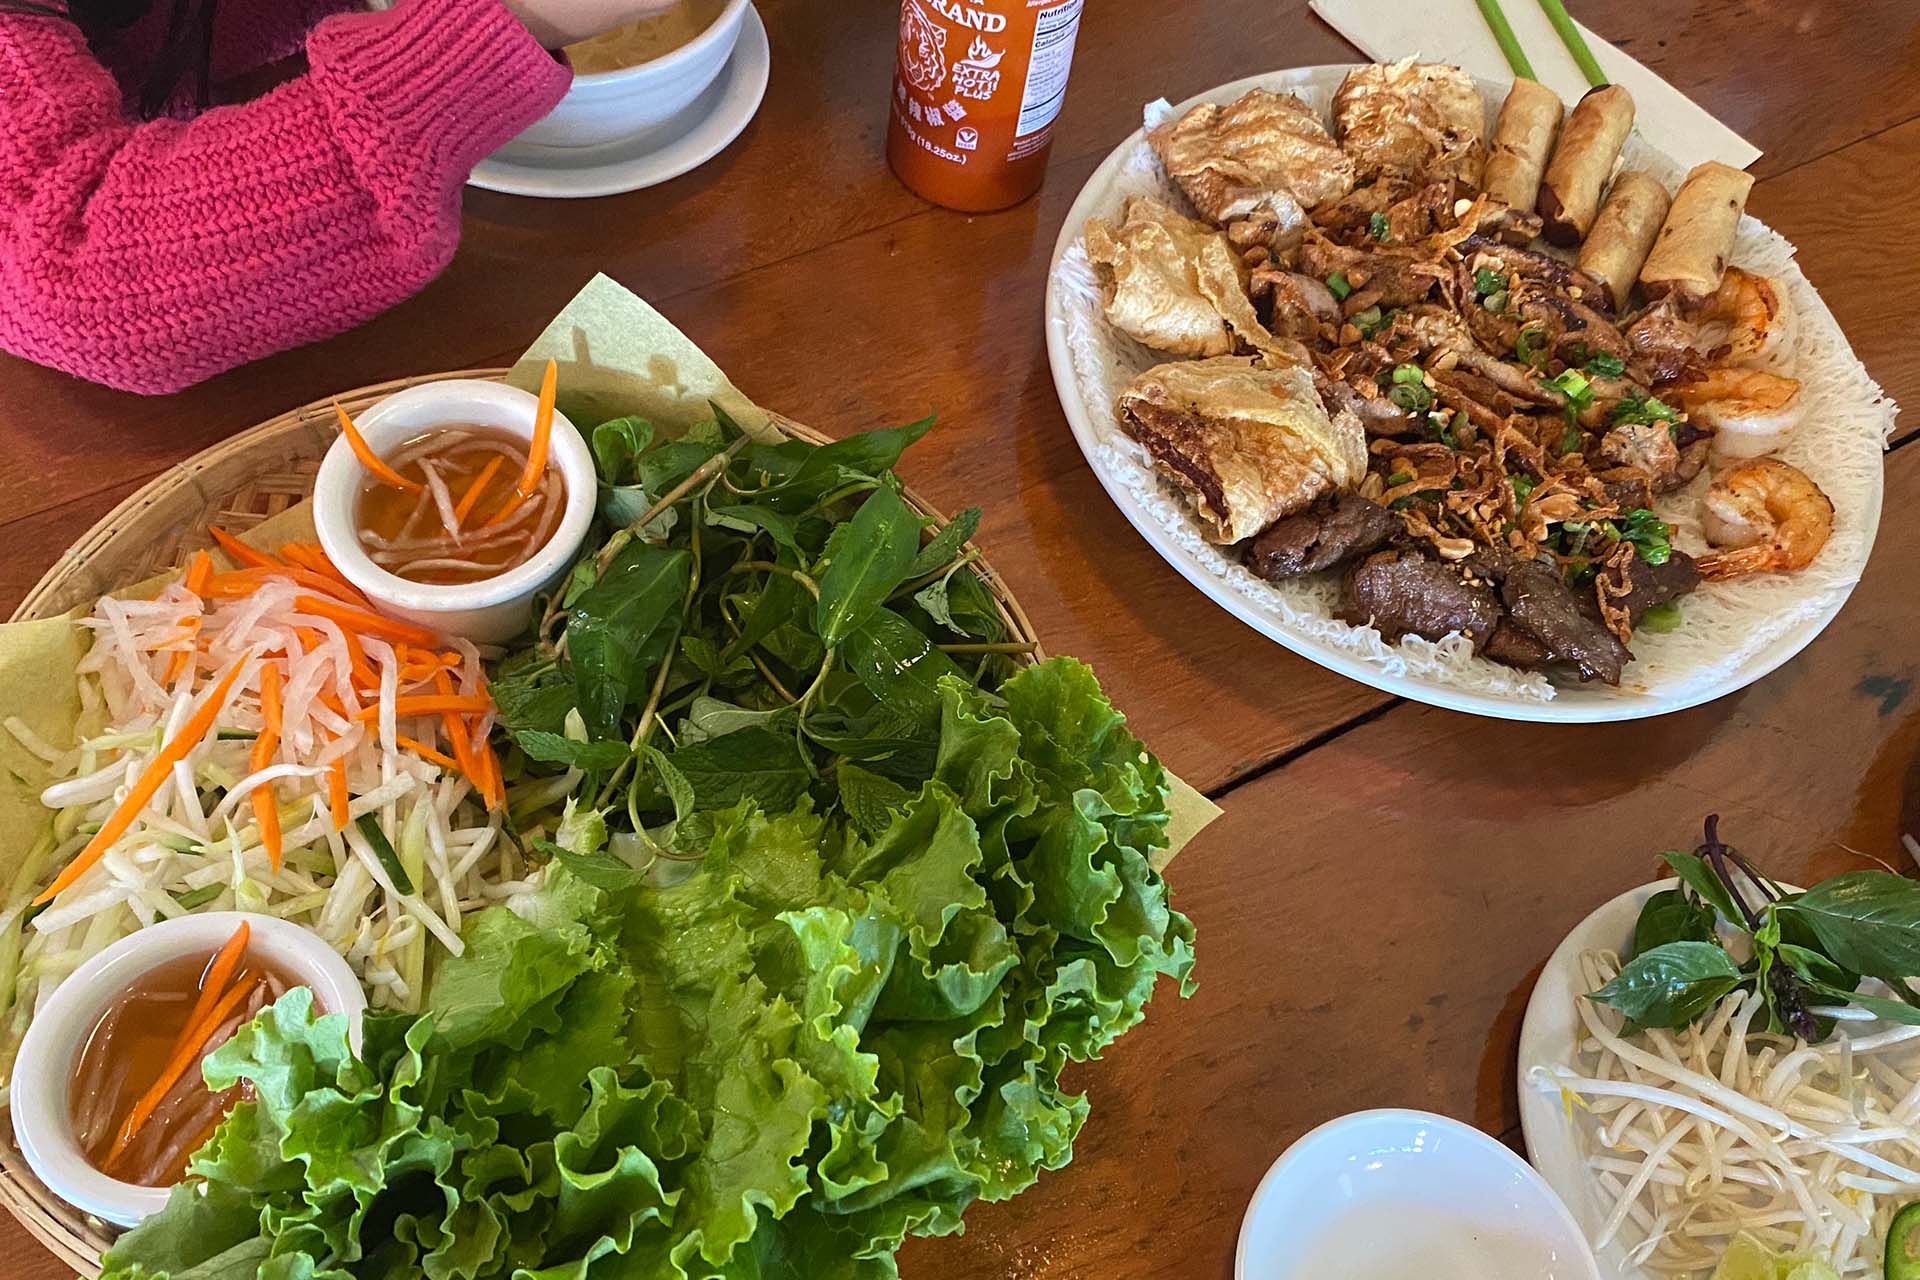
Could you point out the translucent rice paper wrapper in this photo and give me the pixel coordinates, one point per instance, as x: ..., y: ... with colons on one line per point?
x: 617, y: 356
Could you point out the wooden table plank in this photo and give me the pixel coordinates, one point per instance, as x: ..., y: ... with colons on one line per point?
x: 835, y: 295
x: 1372, y: 917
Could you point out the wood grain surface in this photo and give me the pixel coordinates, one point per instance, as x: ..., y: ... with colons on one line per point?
x: 1388, y: 878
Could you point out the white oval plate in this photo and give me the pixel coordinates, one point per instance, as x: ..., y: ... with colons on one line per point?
x: 1735, y: 633
x: 646, y: 159
x: 1379, y: 1195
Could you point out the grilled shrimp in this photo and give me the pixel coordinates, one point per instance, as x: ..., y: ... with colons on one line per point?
x: 1750, y: 410
x: 1768, y: 517
x: 1750, y: 316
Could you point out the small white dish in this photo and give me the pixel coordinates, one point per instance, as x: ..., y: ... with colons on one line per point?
x: 50, y: 1052
x: 489, y: 611
x: 1381, y: 1195
x: 606, y: 106
x: 651, y: 156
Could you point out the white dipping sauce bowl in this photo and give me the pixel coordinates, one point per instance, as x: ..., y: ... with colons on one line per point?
x: 494, y: 609
x: 50, y: 1053
x: 1383, y: 1195
x: 607, y: 106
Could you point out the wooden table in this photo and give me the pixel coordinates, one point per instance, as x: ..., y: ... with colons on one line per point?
x: 1388, y: 878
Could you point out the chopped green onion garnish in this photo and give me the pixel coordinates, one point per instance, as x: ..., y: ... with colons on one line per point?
x: 1409, y: 373
x: 1337, y: 286
x: 1652, y: 537
x: 235, y: 735
x: 1378, y: 226
x: 1522, y: 486
x: 1487, y: 283
x: 1643, y: 409
x: 1605, y: 366
x: 1661, y: 618
x: 1531, y: 347
x: 1399, y: 478
x: 1368, y: 322
x: 1572, y: 384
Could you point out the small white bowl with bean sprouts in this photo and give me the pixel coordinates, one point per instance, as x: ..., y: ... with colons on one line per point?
x: 1664, y: 1144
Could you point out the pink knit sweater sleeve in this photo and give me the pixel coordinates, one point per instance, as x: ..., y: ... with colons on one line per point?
x: 150, y: 256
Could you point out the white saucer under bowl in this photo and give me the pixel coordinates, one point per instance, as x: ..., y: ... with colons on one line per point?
x: 646, y: 159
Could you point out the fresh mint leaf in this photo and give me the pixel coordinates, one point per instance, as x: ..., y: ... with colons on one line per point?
x: 555, y: 748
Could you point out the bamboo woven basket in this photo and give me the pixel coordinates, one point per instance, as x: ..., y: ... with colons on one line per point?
x: 236, y: 484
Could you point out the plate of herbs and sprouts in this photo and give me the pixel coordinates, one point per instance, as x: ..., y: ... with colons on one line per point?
x: 1466, y: 393
x: 1720, y: 1073
x: 740, y: 915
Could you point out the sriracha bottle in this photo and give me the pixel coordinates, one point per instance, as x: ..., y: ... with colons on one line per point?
x: 975, y: 90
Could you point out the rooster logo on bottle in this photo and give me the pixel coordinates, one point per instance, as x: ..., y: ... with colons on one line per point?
x: 923, y: 48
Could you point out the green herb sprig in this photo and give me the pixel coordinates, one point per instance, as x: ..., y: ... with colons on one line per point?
x: 1809, y: 951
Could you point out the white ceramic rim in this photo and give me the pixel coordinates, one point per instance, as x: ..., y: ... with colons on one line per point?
x: 38, y: 1097
x: 1340, y: 1125
x: 723, y: 29
x: 1571, y: 704
x: 1547, y: 1031
x: 337, y: 486
x: 633, y: 164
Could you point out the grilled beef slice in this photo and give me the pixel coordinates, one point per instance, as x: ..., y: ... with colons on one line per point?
x: 1329, y: 533
x: 1646, y: 585
x: 1404, y: 593
x: 1540, y: 603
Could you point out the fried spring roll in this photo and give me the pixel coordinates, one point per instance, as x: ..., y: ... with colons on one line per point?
x: 1522, y: 142
x: 1690, y: 255
x: 1570, y: 192
x: 1623, y: 233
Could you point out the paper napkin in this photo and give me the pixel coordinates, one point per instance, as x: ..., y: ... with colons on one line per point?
x: 1453, y: 31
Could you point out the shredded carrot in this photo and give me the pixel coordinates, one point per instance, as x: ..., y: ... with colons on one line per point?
x: 192, y: 1041
x: 423, y: 704
x: 239, y: 552
x: 199, y: 570
x: 244, y: 582
x: 372, y: 461
x: 493, y: 789
x: 362, y: 620
x: 266, y: 811
x: 464, y: 507
x: 331, y: 701
x: 219, y: 971
x: 528, y: 482
x: 426, y: 752
x: 337, y: 792
x: 310, y: 637
x: 457, y: 736
x: 178, y: 662
x: 150, y: 782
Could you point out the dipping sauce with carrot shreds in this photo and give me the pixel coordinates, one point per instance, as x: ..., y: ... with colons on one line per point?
x: 460, y: 503
x: 139, y: 1103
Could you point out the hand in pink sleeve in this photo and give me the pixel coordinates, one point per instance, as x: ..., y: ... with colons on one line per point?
x: 151, y: 256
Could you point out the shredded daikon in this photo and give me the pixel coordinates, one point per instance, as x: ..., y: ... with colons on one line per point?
x: 1722, y: 1127
x: 196, y: 845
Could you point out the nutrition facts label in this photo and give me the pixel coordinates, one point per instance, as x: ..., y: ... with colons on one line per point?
x: 1052, y: 60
